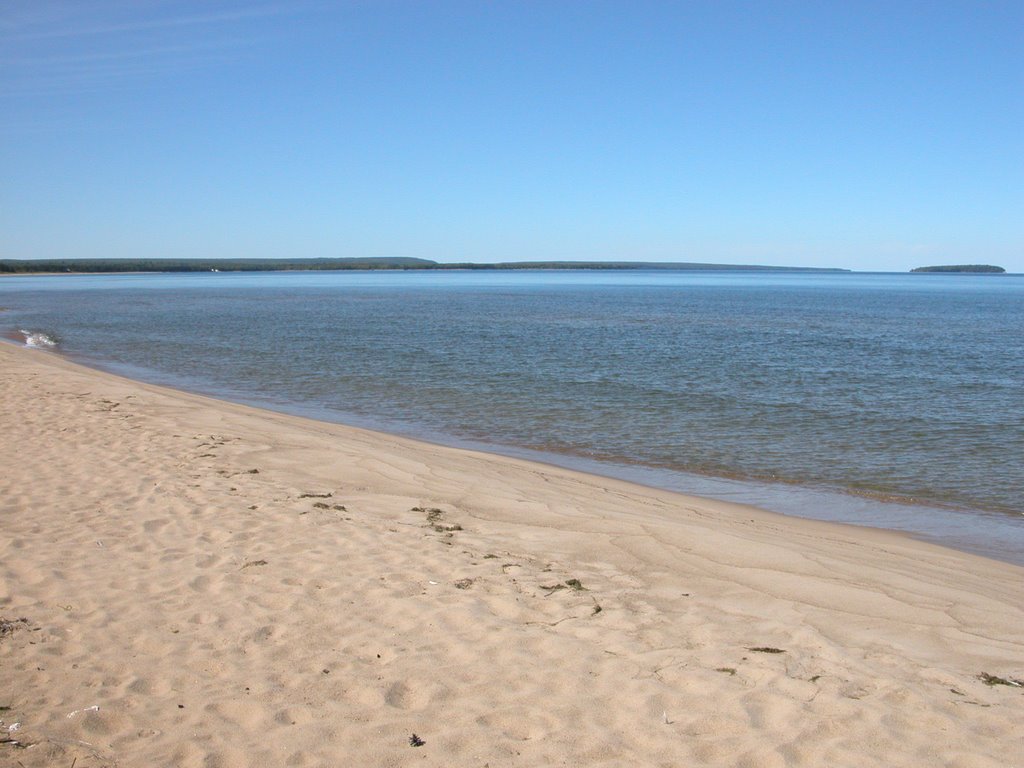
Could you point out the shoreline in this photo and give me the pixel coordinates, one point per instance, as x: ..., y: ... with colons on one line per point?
x: 787, y: 498
x: 970, y: 530
x: 205, y: 582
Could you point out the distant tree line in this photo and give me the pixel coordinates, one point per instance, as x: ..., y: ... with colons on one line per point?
x: 984, y: 268
x: 12, y: 266
x: 22, y: 266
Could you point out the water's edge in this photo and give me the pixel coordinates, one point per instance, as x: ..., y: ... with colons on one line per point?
x: 993, y: 535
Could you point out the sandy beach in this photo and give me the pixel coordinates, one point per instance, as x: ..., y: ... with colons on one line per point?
x: 189, y: 582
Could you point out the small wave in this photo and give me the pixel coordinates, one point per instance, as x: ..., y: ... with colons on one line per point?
x: 38, y: 339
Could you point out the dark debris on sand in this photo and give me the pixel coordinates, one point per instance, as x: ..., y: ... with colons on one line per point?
x: 9, y: 626
x: 988, y: 679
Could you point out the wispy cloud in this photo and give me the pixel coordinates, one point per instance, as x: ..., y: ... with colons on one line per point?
x: 66, y: 47
x: 68, y: 26
x: 139, y: 53
x: 119, y: 73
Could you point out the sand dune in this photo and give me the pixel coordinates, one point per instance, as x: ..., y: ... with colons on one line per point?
x: 189, y: 582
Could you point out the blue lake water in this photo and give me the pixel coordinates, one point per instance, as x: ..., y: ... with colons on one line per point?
x: 888, y: 400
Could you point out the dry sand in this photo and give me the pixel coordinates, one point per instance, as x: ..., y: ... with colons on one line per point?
x: 206, y: 584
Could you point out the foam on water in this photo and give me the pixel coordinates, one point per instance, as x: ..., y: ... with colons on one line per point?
x: 38, y: 339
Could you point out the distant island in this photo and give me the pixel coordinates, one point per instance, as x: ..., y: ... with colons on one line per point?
x: 22, y: 266
x: 972, y: 268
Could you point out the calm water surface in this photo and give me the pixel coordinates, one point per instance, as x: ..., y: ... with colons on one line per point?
x: 815, y: 394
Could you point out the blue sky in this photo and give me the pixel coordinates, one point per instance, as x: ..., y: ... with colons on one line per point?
x: 862, y: 135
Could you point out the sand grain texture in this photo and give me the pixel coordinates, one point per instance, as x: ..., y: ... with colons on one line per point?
x: 205, y: 584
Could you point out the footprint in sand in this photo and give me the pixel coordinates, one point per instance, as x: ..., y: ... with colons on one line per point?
x: 200, y: 584
x: 154, y: 525
x: 401, y: 695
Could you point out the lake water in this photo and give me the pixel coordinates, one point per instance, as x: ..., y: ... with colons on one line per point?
x: 888, y: 400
